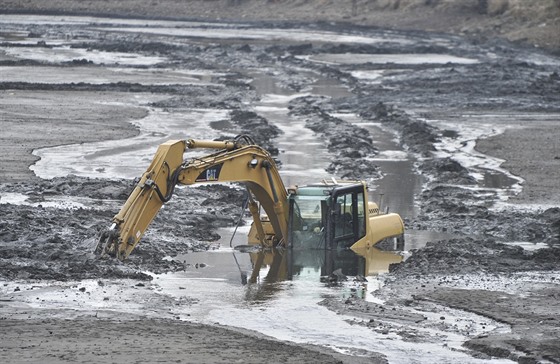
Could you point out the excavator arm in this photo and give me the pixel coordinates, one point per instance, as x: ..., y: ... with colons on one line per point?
x: 239, y: 160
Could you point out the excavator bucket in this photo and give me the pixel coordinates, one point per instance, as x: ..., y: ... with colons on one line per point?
x: 152, y: 191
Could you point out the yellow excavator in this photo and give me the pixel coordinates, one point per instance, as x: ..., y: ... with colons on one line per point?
x: 329, y: 214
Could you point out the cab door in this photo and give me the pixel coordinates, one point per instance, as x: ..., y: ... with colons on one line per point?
x: 348, y: 218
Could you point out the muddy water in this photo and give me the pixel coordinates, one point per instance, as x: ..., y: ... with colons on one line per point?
x: 130, y: 157
x: 291, y: 290
x: 304, y: 156
x: 396, y: 190
x: 403, y: 59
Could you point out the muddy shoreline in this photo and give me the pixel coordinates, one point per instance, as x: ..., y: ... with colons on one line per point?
x: 42, y: 242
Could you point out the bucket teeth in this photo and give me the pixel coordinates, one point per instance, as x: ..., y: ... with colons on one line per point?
x: 108, y: 243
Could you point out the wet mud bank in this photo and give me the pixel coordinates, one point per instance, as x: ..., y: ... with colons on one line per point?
x: 453, y: 200
x: 436, y: 95
x: 172, y: 340
x: 53, y: 239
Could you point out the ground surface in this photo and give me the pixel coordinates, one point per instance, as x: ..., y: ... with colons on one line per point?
x: 511, y: 88
x: 112, y: 340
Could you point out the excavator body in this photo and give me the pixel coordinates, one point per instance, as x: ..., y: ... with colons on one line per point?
x: 330, y: 214
x: 334, y: 215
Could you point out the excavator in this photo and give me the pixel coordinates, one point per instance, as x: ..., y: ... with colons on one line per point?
x: 329, y: 214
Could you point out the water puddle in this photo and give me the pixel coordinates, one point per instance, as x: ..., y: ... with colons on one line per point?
x: 527, y: 245
x: 127, y: 158
x: 277, y: 293
x: 96, y: 76
x: 261, y: 34
x: 67, y: 54
x: 369, y: 76
x: 304, y: 156
x: 57, y: 201
x: 404, y: 59
x: 273, y: 266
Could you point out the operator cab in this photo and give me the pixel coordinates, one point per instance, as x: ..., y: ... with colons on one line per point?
x: 327, y: 215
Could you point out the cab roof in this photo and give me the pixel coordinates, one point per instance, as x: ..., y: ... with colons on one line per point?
x: 322, y: 188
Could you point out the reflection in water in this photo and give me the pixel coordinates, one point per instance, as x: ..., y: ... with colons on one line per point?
x: 287, y: 264
x: 264, y: 274
x: 272, y: 266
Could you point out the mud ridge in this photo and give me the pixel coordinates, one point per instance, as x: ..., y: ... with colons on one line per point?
x: 347, y: 142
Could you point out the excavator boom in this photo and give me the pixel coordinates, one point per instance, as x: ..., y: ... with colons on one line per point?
x: 235, y: 161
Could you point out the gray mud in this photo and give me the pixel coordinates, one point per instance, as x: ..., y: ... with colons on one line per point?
x: 101, y: 340
x: 55, y: 243
x: 39, y: 241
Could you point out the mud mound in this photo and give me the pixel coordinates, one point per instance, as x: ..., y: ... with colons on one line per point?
x: 46, y: 243
x: 415, y: 135
x: 462, y: 211
x: 257, y: 128
x: 468, y: 255
x: 552, y: 216
x: 448, y: 171
x: 36, y: 191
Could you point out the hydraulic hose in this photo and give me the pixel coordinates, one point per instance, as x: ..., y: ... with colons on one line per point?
x: 171, y: 183
x: 243, y: 207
